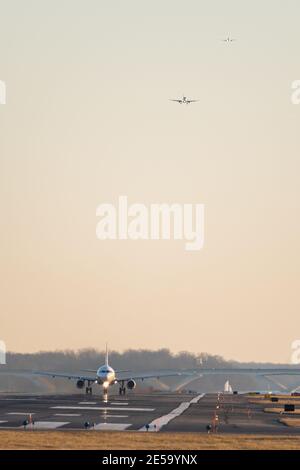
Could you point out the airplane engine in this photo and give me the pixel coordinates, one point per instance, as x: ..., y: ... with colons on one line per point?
x: 131, y: 384
x: 80, y: 383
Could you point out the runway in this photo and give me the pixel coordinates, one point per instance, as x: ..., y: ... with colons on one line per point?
x: 157, y: 412
x: 69, y: 412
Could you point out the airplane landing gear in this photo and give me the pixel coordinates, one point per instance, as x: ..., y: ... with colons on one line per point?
x: 88, y: 390
x: 122, y: 390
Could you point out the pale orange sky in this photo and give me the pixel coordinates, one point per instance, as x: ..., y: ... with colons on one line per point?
x: 88, y: 119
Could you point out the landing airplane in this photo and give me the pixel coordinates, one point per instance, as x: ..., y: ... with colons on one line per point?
x: 184, y: 100
x: 107, y: 376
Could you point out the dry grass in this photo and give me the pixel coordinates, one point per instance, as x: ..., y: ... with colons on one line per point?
x: 267, y: 397
x: 136, y: 440
x: 267, y: 401
x: 291, y: 422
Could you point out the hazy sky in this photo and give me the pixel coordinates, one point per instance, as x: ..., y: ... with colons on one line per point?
x: 88, y: 119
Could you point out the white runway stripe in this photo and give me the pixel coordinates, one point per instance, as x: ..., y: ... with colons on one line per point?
x: 66, y: 415
x: 111, y: 426
x: 158, y: 423
x: 114, y: 416
x: 20, y: 414
x: 96, y: 403
x: 48, y: 424
x: 2, y: 422
x: 99, y: 408
x: 197, y: 398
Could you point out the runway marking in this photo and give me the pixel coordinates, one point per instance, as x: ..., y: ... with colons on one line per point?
x: 197, y: 398
x: 111, y: 426
x: 66, y: 414
x: 114, y: 416
x: 99, y: 408
x: 96, y: 403
x: 20, y: 414
x: 2, y: 422
x: 158, y: 423
x: 48, y: 424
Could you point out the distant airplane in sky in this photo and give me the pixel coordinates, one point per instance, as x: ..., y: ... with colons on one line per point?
x: 229, y: 39
x: 107, y: 376
x: 184, y: 100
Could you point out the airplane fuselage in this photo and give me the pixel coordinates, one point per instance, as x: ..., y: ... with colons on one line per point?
x: 184, y: 100
x: 106, y: 376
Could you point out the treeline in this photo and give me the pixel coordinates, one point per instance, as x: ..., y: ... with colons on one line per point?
x: 136, y: 360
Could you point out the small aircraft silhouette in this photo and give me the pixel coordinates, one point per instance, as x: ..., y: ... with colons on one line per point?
x: 229, y: 39
x: 184, y: 100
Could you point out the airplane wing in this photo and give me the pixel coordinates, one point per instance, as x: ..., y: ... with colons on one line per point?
x: 177, y: 101
x: 192, y: 101
x: 154, y: 375
x: 95, y: 371
x: 122, y: 375
x: 65, y: 375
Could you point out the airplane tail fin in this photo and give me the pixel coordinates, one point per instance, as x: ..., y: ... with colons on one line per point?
x: 106, y: 355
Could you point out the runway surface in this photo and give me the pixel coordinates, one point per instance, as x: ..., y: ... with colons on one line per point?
x: 162, y: 412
